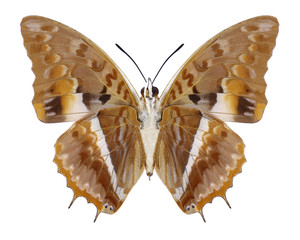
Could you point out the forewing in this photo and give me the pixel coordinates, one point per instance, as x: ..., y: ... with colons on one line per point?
x: 74, y: 77
x: 225, y: 77
x: 102, y: 157
x: 196, y: 157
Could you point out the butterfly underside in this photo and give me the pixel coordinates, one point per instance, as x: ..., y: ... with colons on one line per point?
x: 181, y: 134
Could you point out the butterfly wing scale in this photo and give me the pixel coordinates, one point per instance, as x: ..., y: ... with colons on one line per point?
x: 74, y: 77
x: 197, y: 154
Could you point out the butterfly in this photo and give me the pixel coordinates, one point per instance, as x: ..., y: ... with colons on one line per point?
x: 118, y: 134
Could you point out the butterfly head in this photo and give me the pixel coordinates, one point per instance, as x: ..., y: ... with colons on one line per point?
x: 150, y: 91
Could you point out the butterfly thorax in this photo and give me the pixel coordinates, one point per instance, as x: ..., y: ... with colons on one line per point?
x: 149, y: 116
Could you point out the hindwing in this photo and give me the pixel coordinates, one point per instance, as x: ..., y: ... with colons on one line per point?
x: 196, y: 157
x: 102, y: 157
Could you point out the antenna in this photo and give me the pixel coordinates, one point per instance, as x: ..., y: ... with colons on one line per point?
x: 131, y: 60
x: 166, y: 61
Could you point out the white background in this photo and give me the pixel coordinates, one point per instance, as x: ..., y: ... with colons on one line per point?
x: 34, y: 197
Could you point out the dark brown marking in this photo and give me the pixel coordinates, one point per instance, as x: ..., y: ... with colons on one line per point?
x: 54, y: 106
x: 120, y: 85
x: 202, y: 67
x: 194, y: 98
x: 88, y: 98
x: 111, y: 76
x: 213, y: 158
x: 202, y: 166
x: 126, y: 93
x: 75, y: 134
x: 104, y: 90
x: 48, y: 28
x: 210, y: 97
x: 82, y: 49
x: 143, y: 91
x: 212, y: 142
x: 173, y: 94
x: 224, y: 134
x: 79, y: 89
x: 104, y: 98
x: 188, y: 76
x: 220, y: 89
x: 179, y: 87
x: 245, y: 106
x: 216, y: 48
x: 250, y: 28
x: 122, y: 110
x: 104, y: 177
x: 84, y: 155
x: 98, y: 67
x: 86, y: 143
x: 195, y: 89
x: 195, y: 177
x: 96, y: 165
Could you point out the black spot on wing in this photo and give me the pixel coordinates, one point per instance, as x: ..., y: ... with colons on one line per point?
x: 104, y: 98
x: 195, y: 90
x: 104, y: 90
x: 194, y: 98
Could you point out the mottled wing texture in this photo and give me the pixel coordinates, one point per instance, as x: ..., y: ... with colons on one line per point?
x: 197, y: 154
x: 225, y: 76
x: 74, y: 77
x: 102, y: 154
x: 196, y: 157
x: 102, y: 157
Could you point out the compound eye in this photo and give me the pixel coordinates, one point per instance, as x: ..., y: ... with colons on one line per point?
x: 142, y: 91
x: 155, y: 91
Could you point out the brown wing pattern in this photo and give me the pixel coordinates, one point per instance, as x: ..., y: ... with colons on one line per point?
x: 102, y: 154
x: 74, y: 77
x: 196, y: 157
x: 225, y: 76
x: 102, y: 157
